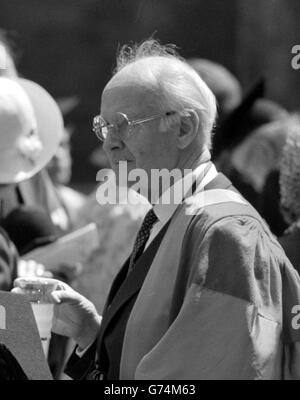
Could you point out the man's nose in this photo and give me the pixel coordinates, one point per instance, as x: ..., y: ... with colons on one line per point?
x: 113, y: 141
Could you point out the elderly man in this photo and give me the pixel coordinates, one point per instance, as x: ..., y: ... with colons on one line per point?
x: 207, y: 292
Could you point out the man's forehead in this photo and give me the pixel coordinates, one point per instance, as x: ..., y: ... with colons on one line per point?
x: 128, y: 94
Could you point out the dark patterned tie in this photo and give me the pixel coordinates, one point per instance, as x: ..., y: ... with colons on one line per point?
x: 142, y: 237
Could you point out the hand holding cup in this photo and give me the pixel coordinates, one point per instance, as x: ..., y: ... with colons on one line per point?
x: 74, y: 316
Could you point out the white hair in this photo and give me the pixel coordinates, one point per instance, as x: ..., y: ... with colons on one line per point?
x: 176, y: 84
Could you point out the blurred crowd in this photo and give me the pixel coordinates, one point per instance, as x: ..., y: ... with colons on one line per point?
x: 256, y: 144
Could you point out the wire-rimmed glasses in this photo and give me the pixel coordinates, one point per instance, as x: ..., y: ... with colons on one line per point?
x: 101, y: 128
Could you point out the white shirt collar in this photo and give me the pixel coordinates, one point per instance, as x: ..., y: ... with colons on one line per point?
x: 165, y: 211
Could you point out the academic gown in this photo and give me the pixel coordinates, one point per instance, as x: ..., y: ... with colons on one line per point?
x: 212, y: 297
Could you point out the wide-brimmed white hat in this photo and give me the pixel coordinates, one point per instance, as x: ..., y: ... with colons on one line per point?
x: 31, y: 127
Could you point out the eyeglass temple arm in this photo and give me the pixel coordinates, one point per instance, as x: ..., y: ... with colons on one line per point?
x: 140, y: 121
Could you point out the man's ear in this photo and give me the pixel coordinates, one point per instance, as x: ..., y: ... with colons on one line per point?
x: 188, y: 129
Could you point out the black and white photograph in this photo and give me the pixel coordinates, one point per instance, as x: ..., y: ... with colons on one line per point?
x: 149, y: 192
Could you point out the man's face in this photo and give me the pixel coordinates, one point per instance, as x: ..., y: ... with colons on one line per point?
x: 147, y: 146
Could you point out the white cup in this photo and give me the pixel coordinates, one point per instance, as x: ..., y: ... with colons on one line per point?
x: 37, y: 290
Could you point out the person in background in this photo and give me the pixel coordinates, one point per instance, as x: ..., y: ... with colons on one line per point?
x: 60, y: 171
x: 7, y: 64
x: 30, y: 132
x: 255, y: 165
x: 269, y: 203
x: 8, y: 262
x: 290, y: 193
x: 247, y: 148
x: 9, y: 256
x: 221, y: 82
x: 238, y: 118
x: 37, y: 189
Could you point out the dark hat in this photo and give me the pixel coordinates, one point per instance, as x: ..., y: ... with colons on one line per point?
x: 231, y: 131
x: 253, y: 111
x: 29, y: 227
